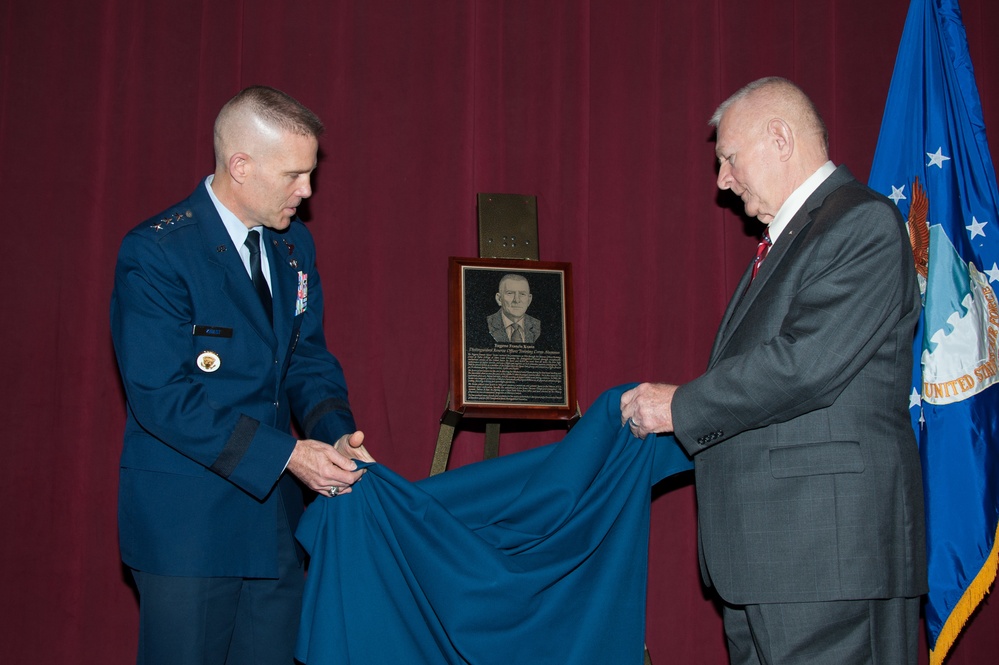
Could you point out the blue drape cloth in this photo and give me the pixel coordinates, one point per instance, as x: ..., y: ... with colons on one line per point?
x: 535, y: 557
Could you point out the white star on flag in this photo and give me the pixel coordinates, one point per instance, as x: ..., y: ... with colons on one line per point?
x: 937, y: 158
x: 976, y: 228
x: 914, y: 399
x: 897, y: 193
x: 993, y: 273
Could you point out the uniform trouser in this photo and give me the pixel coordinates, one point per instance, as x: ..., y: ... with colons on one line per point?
x: 222, y: 620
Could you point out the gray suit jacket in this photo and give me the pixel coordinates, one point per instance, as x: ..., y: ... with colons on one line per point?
x: 806, y: 468
x: 532, y: 328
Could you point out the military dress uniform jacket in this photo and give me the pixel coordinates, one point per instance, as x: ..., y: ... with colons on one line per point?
x: 211, y: 388
x: 807, y: 471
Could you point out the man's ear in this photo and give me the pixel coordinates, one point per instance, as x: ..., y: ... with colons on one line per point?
x: 239, y: 166
x: 782, y: 136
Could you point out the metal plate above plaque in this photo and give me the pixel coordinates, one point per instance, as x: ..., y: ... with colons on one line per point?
x: 508, y: 226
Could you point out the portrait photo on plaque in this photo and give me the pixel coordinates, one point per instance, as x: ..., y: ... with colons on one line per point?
x: 511, y: 338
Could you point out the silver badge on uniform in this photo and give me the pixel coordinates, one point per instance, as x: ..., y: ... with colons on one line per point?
x: 209, y: 361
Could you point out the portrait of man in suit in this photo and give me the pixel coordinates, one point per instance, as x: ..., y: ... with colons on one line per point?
x: 807, y: 473
x: 511, y: 323
x: 217, y: 325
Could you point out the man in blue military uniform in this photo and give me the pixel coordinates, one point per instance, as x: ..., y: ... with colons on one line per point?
x: 217, y: 321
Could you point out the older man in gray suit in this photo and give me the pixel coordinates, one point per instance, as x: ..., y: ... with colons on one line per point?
x: 511, y: 323
x: 809, y: 495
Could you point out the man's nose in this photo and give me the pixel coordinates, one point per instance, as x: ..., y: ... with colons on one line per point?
x: 724, y: 176
x: 305, y: 189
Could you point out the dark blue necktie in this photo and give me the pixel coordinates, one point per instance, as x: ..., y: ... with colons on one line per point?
x: 259, y: 283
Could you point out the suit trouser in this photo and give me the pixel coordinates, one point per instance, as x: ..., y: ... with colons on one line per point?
x: 222, y: 620
x: 846, y: 632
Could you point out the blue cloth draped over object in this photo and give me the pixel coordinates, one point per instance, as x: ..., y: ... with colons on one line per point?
x: 535, y: 557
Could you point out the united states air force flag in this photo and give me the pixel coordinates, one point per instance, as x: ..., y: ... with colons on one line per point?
x: 932, y: 159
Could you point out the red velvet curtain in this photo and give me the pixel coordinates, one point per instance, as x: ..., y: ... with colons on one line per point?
x: 598, y: 108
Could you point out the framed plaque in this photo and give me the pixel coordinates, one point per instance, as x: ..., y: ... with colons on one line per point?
x: 511, y: 340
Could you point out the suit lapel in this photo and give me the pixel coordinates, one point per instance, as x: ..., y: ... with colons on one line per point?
x: 730, y: 312
x: 747, y: 292
x: 284, y: 283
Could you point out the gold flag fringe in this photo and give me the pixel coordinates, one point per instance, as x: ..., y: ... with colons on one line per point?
x: 965, y: 607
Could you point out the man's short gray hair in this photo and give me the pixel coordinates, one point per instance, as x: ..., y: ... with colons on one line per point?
x: 786, y: 94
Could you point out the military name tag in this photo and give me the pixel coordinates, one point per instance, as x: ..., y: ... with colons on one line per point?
x: 212, y: 331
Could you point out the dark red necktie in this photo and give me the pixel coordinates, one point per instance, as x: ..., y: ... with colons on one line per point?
x: 761, y: 253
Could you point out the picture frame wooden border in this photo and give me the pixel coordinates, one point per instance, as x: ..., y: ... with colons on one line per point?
x: 501, y: 379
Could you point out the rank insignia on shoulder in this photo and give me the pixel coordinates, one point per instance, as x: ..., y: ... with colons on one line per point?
x: 171, y: 220
x: 209, y: 361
